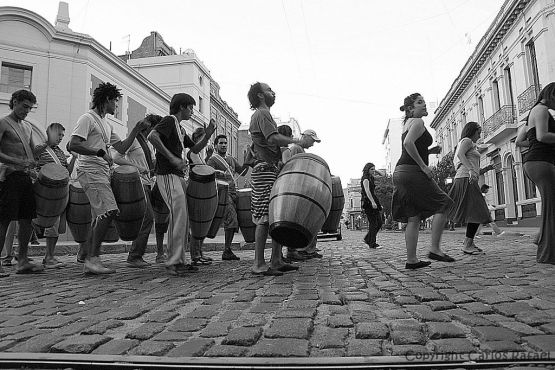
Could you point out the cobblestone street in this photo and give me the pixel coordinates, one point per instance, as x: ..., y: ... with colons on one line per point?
x: 353, y: 302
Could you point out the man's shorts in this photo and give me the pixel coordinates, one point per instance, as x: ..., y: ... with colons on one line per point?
x: 17, y: 199
x: 96, y: 186
x: 230, y: 214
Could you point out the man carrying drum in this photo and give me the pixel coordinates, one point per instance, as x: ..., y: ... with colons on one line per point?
x: 170, y: 139
x: 266, y: 144
x: 50, y: 152
x: 91, y: 139
x: 226, y: 167
x: 140, y: 155
x: 17, y: 200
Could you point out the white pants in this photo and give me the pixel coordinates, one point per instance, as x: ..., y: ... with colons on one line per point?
x: 173, y: 188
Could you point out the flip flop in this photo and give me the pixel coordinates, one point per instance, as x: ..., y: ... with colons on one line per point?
x: 286, y: 268
x: 29, y: 268
x: 269, y: 272
x: 472, y: 253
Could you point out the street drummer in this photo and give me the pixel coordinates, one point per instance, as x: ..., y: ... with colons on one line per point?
x: 91, y: 139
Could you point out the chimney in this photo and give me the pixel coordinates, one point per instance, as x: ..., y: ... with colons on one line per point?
x: 62, y: 19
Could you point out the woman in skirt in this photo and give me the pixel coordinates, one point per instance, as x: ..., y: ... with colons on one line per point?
x: 470, y: 206
x: 417, y: 196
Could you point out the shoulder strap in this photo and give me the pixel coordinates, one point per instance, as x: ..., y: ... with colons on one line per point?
x: 53, y: 155
x: 101, y: 128
x: 22, y: 136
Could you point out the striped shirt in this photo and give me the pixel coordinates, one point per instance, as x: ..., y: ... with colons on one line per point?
x: 45, y: 157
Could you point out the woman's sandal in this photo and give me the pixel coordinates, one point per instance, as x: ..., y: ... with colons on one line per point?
x: 199, y: 261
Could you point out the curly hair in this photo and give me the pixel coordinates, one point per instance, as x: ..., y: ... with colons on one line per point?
x: 255, y: 89
x: 21, y: 95
x: 409, y: 103
x: 285, y: 130
x: 104, y: 92
x: 154, y: 119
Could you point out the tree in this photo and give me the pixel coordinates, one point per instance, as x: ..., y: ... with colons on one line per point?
x: 443, y: 170
x: 384, y: 192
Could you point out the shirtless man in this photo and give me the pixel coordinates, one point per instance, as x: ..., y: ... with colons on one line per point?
x: 17, y: 200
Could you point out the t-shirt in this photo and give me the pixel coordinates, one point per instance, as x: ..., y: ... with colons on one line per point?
x: 472, y: 155
x: 217, y: 162
x: 295, y: 149
x: 263, y: 126
x: 136, y: 155
x: 170, y: 138
x: 98, y: 133
x: 45, y: 157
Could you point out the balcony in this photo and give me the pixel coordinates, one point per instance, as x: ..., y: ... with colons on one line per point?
x: 500, y: 125
x: 527, y: 99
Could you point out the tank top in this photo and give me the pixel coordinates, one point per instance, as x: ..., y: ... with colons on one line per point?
x: 540, y: 151
x: 422, y: 145
x: 473, y: 157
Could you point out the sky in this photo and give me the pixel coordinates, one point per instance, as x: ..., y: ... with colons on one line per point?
x: 340, y: 67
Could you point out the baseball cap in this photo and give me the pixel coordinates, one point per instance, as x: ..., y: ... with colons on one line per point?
x: 313, y: 134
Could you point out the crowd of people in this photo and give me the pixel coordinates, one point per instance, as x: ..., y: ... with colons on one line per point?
x: 164, y: 153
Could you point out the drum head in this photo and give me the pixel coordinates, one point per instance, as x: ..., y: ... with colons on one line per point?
x: 245, y: 190
x: 53, y: 171
x: 202, y: 170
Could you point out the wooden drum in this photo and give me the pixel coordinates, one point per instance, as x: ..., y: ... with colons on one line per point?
x: 337, y: 203
x: 220, y: 211
x: 111, y: 235
x: 130, y: 198
x: 244, y: 214
x: 300, y: 200
x: 51, y: 193
x: 202, y: 199
x: 161, y: 210
x: 78, y: 213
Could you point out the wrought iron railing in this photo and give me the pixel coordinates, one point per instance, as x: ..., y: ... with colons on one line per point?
x: 527, y: 99
x: 504, y: 116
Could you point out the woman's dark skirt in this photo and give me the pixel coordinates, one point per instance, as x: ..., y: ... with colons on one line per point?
x: 470, y: 206
x: 416, y: 195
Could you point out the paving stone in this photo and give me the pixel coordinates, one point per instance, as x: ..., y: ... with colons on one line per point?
x: 130, y: 313
x: 294, y: 304
x: 405, y: 300
x: 406, y: 325
x: 468, y: 318
x: 332, y: 299
x: 230, y: 315
x: 361, y: 316
x: 193, y: 348
x: 364, y: 347
x: 173, y: 336
x: 371, y: 330
x: 493, y: 333
x: 56, y: 322
x: 41, y: 343
x: 408, y: 337
x: 280, y: 348
x: 299, y: 313
x: 424, y: 313
x: 251, y: 319
x: 501, y: 346
x: 80, y: 343
x: 116, y: 347
x: 459, y: 298
x: 5, y: 344
x: 453, y: 345
x: 216, y: 329
x: 495, y: 299
x: 24, y: 335
x: 521, y: 328
x: 203, y: 312
x: 535, y: 318
x: 243, y: 336
x: 425, y: 295
x: 440, y: 305
x: 548, y: 328
x: 439, y: 330
x: 161, y: 316
x: 395, y: 314
x: 541, y: 304
x: 340, y: 321
x: 329, y: 338
x: 145, y: 331
x: 187, y: 325
x: 289, y: 328
x: 477, y: 307
x: 513, y: 308
x: 226, y: 351
x: 544, y: 343
x: 327, y: 352
x: 265, y: 308
x: 102, y: 327
x: 151, y: 348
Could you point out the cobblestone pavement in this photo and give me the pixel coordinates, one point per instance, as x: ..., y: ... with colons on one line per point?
x: 353, y: 302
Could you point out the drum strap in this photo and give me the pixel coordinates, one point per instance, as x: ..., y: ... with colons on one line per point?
x: 226, y: 165
x: 100, y: 126
x: 146, y: 150
x: 179, y: 132
x: 25, y: 141
x: 53, y: 155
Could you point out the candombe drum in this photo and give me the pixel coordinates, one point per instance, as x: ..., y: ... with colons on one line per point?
x: 78, y: 213
x: 337, y: 203
x: 244, y: 214
x: 220, y: 211
x: 161, y: 210
x: 51, y: 193
x: 300, y: 200
x: 130, y: 198
x: 202, y: 199
x: 111, y: 235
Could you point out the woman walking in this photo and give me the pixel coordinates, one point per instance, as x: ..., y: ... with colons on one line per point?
x: 539, y: 166
x: 470, y: 206
x: 371, y: 204
x: 416, y: 194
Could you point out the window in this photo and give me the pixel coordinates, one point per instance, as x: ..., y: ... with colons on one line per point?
x: 499, y: 182
x: 15, y: 77
x: 532, y: 69
x: 509, y: 86
x: 200, y: 104
x: 200, y: 80
x: 496, y: 98
x: 481, y: 116
x: 529, y: 188
x: 463, y: 117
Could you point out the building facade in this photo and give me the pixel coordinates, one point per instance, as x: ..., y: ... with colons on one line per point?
x: 392, y: 143
x: 497, y: 86
x: 227, y: 120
